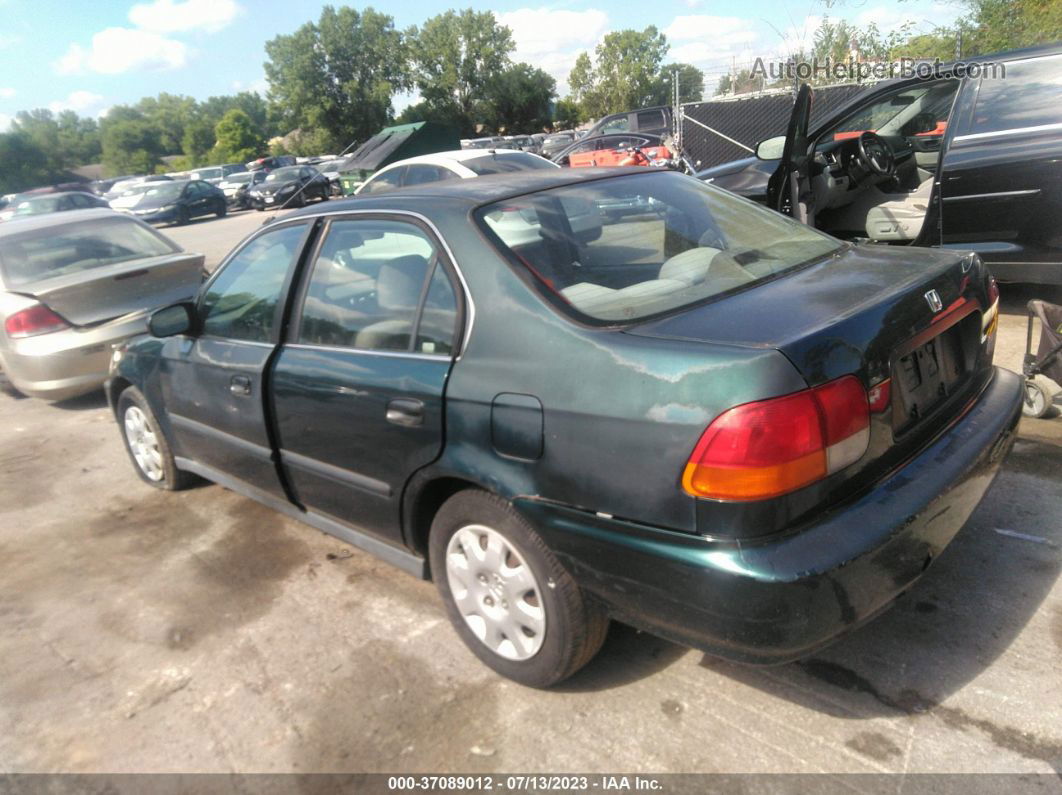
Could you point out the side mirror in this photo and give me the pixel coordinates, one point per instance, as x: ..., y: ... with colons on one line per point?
x: 771, y: 148
x: 171, y: 320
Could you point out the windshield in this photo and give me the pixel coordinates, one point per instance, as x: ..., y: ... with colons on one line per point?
x: 282, y: 175
x: 70, y: 248
x: 207, y: 173
x: 329, y: 165
x: 37, y: 206
x: 238, y: 179
x: 163, y: 191
x: 629, y: 247
x: 503, y: 164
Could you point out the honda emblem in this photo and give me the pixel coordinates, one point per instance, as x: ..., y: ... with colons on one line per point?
x: 933, y: 299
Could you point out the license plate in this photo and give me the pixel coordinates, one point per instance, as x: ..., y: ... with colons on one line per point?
x: 269, y: 200
x: 925, y: 376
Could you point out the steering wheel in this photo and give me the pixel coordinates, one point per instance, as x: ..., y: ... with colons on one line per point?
x: 877, y: 154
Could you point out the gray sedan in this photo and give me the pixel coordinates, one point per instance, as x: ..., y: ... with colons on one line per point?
x: 72, y: 285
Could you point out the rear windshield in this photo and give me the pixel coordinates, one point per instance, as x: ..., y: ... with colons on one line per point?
x: 283, y: 174
x: 60, y: 250
x: 504, y: 164
x: 630, y: 247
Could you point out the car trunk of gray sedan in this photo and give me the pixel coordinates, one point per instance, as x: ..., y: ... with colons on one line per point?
x: 96, y: 294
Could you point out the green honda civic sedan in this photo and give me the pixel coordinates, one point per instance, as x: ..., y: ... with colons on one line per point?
x: 704, y: 419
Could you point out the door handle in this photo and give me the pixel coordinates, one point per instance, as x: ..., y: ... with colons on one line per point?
x: 240, y: 385
x: 405, y: 412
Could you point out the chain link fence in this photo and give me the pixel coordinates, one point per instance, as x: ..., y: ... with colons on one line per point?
x: 728, y: 128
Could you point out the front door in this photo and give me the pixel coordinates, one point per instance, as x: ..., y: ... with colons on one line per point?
x: 358, y: 388
x: 214, y: 383
x: 789, y: 188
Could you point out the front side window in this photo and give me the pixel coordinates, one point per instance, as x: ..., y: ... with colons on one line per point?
x: 650, y: 119
x: 378, y: 285
x: 620, y: 124
x: 77, y: 247
x: 678, y: 241
x: 1027, y: 97
x: 241, y: 302
x: 917, y: 110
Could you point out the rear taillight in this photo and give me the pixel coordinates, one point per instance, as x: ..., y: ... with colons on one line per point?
x: 772, y: 447
x: 37, y: 319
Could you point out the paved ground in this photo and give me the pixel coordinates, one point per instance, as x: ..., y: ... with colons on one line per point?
x: 197, y: 631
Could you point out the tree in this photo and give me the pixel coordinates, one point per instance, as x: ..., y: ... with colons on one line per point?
x: 131, y: 145
x: 79, y: 138
x: 169, y: 113
x: 23, y: 164
x: 454, y: 56
x: 237, y: 138
x: 690, y: 81
x: 519, y: 99
x: 198, y: 139
x: 623, y: 75
x: 566, y: 114
x: 741, y: 83
x: 338, y: 75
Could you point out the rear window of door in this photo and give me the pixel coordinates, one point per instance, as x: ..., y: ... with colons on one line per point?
x: 1029, y: 96
x: 241, y: 302
x: 378, y: 285
x: 386, y: 181
x: 650, y: 119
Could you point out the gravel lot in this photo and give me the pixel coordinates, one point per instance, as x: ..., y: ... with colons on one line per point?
x: 197, y: 631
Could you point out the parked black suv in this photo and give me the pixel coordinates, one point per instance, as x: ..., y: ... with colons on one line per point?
x: 948, y: 160
x: 656, y: 121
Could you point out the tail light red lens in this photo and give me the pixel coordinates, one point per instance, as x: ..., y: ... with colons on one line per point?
x: 37, y: 319
x: 772, y: 447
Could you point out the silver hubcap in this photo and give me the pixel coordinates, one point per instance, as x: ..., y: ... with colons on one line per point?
x: 143, y: 443
x: 496, y: 592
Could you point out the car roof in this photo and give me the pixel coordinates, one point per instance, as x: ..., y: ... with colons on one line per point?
x: 33, y: 196
x: 453, y: 156
x: 471, y: 192
x: 27, y: 223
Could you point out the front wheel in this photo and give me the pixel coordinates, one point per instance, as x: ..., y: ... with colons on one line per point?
x: 1037, y: 402
x: 182, y: 216
x: 222, y: 210
x: 146, y: 444
x: 507, y: 595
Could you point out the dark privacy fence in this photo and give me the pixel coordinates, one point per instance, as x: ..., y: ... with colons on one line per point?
x: 750, y: 118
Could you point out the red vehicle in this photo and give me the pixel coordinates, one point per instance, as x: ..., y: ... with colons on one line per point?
x: 620, y: 156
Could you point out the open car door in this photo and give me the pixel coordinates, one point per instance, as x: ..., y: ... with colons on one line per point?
x: 789, y: 188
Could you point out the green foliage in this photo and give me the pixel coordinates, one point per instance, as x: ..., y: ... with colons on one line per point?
x: 454, y: 56
x: 237, y: 138
x: 741, y: 83
x: 625, y: 72
x: 23, y: 164
x: 566, y: 114
x: 518, y: 99
x: 338, y: 75
x: 690, y: 81
x: 131, y: 145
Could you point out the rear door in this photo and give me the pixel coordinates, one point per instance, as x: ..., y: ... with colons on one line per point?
x: 1001, y: 176
x: 214, y: 383
x: 358, y: 390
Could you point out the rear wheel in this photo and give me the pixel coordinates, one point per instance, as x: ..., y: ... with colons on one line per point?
x: 1037, y: 402
x: 9, y: 388
x: 507, y: 595
x: 146, y: 444
x: 222, y: 210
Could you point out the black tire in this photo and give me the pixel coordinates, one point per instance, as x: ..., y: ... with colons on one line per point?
x: 173, y: 479
x: 182, y: 216
x: 575, y: 626
x: 222, y: 211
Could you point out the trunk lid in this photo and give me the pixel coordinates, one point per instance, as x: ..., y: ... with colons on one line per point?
x: 863, y: 311
x: 101, y: 294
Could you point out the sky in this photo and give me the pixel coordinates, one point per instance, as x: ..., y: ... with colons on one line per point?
x: 89, y: 55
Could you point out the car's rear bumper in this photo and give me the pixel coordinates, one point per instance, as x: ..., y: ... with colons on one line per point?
x: 65, y: 364
x: 781, y: 598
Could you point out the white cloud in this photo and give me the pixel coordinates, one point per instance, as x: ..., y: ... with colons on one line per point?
x: 7, y: 93
x: 173, y: 16
x: 722, y: 30
x: 117, y: 50
x: 5, y: 122
x: 259, y: 86
x: 551, y: 39
x: 81, y: 101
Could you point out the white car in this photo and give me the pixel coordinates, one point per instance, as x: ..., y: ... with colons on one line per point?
x: 584, y: 216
